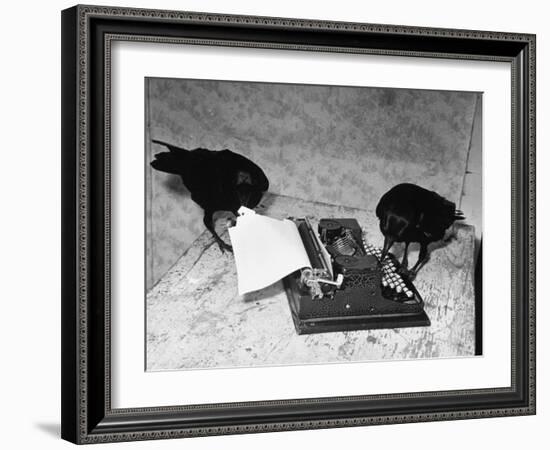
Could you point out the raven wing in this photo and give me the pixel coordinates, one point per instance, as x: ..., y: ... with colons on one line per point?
x: 236, y: 163
x: 438, y: 214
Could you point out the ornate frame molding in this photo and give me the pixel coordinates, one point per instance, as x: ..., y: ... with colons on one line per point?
x: 86, y: 422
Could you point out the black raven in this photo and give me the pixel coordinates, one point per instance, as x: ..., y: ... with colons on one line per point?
x: 409, y: 213
x: 217, y: 180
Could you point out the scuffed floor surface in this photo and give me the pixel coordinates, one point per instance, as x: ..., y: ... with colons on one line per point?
x: 196, y: 319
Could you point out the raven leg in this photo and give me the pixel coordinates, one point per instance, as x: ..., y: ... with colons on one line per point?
x: 210, y: 226
x: 422, y: 259
x: 405, y: 261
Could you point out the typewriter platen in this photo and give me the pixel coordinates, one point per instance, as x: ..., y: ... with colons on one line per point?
x: 347, y: 288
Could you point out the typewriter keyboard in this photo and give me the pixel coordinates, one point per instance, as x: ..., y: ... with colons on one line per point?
x: 393, y: 284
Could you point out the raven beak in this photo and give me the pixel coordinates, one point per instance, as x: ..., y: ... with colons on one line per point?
x: 388, y: 242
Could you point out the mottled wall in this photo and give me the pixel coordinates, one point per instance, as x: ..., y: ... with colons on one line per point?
x: 339, y: 145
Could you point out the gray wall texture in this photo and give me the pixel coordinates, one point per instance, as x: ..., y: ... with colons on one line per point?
x: 332, y: 144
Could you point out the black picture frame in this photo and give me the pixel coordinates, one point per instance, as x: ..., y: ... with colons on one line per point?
x: 87, y: 33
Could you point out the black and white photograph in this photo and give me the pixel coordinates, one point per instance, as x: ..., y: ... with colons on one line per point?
x: 291, y: 224
x: 282, y: 222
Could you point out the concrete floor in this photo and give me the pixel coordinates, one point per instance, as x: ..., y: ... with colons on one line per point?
x: 196, y: 319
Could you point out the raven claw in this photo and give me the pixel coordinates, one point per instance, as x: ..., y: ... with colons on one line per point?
x: 223, y: 247
x: 410, y: 274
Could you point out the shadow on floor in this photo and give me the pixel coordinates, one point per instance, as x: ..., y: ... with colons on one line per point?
x: 53, y: 429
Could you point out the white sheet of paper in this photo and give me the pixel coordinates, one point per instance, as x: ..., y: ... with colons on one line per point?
x: 266, y: 250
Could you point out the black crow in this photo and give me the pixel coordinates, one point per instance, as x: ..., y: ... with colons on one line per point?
x: 217, y: 180
x: 409, y: 213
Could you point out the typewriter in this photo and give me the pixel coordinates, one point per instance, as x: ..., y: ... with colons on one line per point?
x: 347, y: 287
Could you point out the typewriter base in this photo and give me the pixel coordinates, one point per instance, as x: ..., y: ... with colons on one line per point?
x: 333, y: 323
x: 307, y: 323
x: 312, y: 326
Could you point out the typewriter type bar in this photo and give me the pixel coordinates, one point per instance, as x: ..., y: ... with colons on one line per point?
x: 370, y: 295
